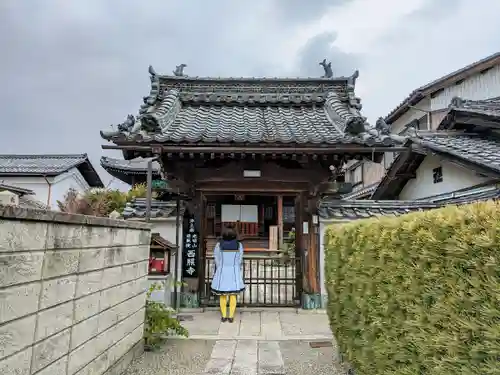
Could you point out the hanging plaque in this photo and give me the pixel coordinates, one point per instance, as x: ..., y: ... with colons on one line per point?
x: 190, y: 250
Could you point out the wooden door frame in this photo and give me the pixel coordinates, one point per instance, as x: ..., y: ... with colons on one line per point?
x: 300, y: 208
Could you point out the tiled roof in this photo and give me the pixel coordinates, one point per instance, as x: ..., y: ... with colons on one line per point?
x: 156, y: 237
x: 364, y: 192
x: 133, y: 166
x: 360, y: 209
x: 250, y: 111
x: 472, y: 148
x: 418, y: 94
x: 469, y: 195
x: 16, y: 189
x: 128, y: 170
x: 48, y: 165
x: 159, y: 209
x: 28, y: 202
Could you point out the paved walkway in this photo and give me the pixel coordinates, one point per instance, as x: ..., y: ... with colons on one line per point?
x: 257, y: 343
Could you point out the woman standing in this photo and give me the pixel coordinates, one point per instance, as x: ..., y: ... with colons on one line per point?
x: 228, y: 281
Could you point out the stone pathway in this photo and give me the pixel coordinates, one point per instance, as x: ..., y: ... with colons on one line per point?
x: 257, y: 343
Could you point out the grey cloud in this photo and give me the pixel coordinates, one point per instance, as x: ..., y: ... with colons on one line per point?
x: 319, y: 48
x: 73, y: 69
x: 303, y: 10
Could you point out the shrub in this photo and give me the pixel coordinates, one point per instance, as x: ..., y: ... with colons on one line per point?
x: 99, y: 202
x: 159, y: 321
x: 418, y: 294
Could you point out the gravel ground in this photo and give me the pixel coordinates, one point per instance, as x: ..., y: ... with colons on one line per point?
x: 301, y: 359
x: 176, y: 357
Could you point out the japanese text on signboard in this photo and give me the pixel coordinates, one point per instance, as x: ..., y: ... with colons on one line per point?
x: 191, y: 244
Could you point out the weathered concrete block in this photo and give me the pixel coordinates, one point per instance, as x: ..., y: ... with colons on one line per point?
x: 144, y: 237
x: 16, y: 335
x: 18, y: 364
x: 110, y: 297
x: 114, y: 256
x: 76, y: 292
x: 67, y: 236
x: 56, y: 368
x: 20, y: 268
x: 83, y: 355
x: 133, y: 237
x: 53, y: 320
x: 19, y: 301
x: 91, y: 259
x: 137, y: 253
x: 57, y: 291
x: 86, y: 306
x: 89, y: 283
x: 97, y: 366
x: 22, y: 235
x: 111, y: 277
x: 84, y: 331
x: 60, y: 262
x: 118, y: 237
x: 50, y: 350
x: 130, y: 272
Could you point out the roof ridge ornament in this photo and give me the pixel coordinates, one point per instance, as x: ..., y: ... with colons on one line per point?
x: 179, y: 70
x: 456, y: 102
x: 382, y: 127
x: 328, y: 69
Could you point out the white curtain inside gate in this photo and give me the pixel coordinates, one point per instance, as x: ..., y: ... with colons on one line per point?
x: 245, y: 213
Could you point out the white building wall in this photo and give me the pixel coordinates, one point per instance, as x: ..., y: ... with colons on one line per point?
x: 478, y: 87
x: 57, y: 186
x: 455, y: 177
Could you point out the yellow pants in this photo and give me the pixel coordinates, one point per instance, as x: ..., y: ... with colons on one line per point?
x: 223, y: 305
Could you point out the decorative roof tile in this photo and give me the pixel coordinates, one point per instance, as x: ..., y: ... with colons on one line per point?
x: 159, y: 209
x: 362, y: 209
x: 250, y: 111
x: 48, y: 165
x: 487, y: 107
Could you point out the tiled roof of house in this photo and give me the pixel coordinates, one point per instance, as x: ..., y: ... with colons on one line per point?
x: 16, y: 189
x: 189, y: 110
x: 418, y: 94
x: 48, y: 165
x: 360, y: 209
x: 473, y: 194
x: 472, y: 148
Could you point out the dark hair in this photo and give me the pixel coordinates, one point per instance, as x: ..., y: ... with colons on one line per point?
x: 229, y: 233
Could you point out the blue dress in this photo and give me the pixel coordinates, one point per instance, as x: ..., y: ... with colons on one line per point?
x: 228, y: 260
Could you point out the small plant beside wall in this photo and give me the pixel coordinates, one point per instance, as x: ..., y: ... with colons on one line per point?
x: 159, y: 322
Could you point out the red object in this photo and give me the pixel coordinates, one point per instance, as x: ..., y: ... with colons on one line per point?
x: 156, y: 265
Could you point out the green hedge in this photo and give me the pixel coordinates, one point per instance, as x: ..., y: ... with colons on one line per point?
x: 417, y: 294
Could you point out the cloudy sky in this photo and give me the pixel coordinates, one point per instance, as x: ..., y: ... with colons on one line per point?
x: 71, y: 68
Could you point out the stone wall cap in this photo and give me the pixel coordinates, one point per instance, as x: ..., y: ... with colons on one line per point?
x: 19, y: 213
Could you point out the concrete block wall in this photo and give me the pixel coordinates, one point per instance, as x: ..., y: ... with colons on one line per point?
x: 72, y: 292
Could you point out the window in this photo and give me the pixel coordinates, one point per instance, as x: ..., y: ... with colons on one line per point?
x: 437, y: 175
